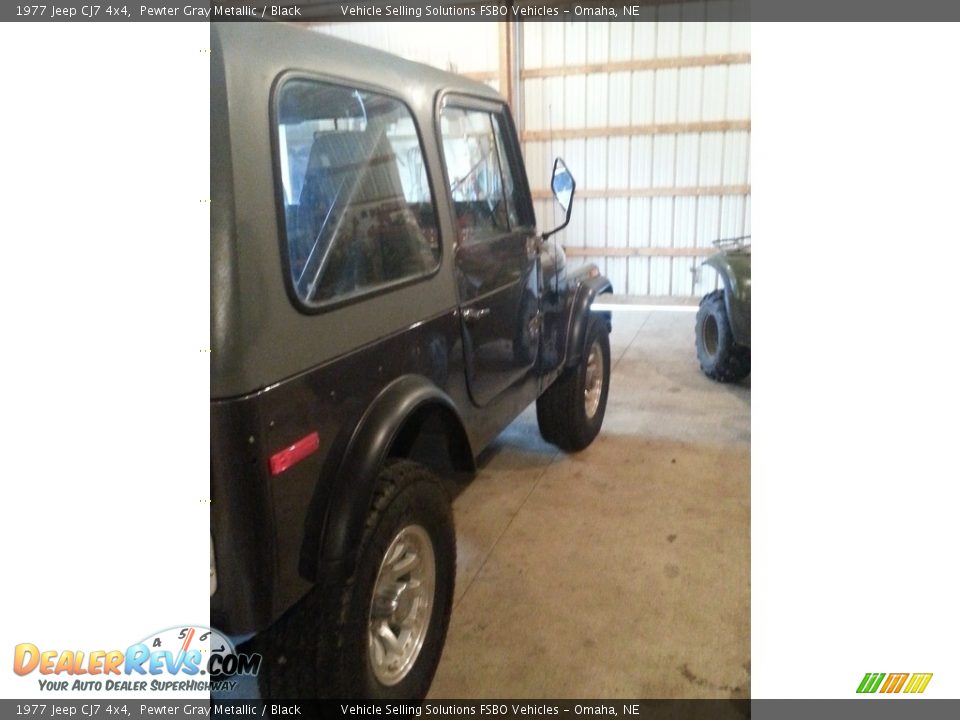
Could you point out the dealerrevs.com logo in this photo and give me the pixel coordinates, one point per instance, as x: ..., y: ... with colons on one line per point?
x: 911, y: 683
x: 182, y: 659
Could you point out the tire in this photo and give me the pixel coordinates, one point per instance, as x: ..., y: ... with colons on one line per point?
x: 324, y: 648
x: 569, y: 416
x: 721, y: 359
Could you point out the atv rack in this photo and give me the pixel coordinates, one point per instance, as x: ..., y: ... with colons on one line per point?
x: 736, y: 243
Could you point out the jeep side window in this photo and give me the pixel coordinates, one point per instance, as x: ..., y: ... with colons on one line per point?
x: 358, y: 212
x: 509, y: 186
x: 472, y: 150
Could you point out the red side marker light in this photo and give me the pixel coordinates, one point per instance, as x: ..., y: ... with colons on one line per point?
x: 290, y: 456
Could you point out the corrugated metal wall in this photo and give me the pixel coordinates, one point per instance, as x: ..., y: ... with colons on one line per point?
x: 653, y: 119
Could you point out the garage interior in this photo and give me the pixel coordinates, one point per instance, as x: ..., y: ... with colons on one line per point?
x: 624, y: 570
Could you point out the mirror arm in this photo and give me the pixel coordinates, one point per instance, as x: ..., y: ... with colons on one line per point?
x: 566, y: 220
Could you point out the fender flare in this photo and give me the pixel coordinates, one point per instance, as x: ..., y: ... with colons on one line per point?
x: 588, y: 286
x: 366, y: 452
x: 734, y: 270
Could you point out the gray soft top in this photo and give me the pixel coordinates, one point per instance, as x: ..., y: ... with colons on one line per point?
x: 264, y: 43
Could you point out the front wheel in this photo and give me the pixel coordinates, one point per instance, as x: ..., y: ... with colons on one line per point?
x: 721, y: 359
x: 570, y: 413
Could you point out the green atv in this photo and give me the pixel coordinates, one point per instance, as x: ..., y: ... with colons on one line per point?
x: 723, y: 320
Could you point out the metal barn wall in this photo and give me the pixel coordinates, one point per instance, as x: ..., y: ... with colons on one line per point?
x: 652, y: 117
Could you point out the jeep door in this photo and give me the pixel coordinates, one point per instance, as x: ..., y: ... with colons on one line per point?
x: 496, y: 254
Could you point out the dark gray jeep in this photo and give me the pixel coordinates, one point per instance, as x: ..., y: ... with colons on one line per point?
x: 382, y: 307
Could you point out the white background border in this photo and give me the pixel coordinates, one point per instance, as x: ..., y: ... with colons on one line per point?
x: 104, y: 295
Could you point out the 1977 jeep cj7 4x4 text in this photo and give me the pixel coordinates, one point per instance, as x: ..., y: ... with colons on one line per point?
x: 382, y: 308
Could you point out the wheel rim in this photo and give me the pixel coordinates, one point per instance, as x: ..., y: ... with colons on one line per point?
x: 711, y: 335
x: 593, y: 382
x: 402, y: 605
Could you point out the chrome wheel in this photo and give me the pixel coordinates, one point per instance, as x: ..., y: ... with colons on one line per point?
x: 402, y: 605
x: 593, y: 381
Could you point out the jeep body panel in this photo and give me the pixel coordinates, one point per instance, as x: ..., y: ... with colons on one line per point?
x: 734, y: 269
x: 400, y: 371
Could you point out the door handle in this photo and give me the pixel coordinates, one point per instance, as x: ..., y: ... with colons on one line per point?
x: 471, y: 315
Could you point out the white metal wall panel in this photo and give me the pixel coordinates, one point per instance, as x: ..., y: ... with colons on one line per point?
x: 621, y: 41
x: 663, y: 160
x: 685, y: 222
x: 738, y: 91
x: 618, y: 162
x: 641, y: 170
x: 554, y: 45
x: 598, y: 41
x: 661, y: 222
x: 573, y: 109
x: 641, y: 98
x: 679, y: 172
x: 532, y: 51
x: 644, y: 38
x: 711, y: 159
x: 690, y: 95
x: 739, y: 36
x: 597, y: 101
x: 641, y: 210
x: 715, y: 92
x: 595, y: 168
x: 665, y: 96
x: 688, y: 161
x: 620, y: 108
x: 708, y: 220
x: 736, y: 155
x: 575, y: 38
x: 668, y: 39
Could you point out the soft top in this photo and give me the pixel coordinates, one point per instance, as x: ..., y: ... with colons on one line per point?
x: 264, y: 44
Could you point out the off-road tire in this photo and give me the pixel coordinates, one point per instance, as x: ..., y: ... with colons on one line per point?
x: 561, y: 410
x: 319, y: 648
x: 720, y: 357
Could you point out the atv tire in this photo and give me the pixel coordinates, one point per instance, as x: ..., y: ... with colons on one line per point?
x: 721, y: 359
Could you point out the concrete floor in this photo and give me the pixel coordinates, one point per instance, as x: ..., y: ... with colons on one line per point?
x: 622, y: 571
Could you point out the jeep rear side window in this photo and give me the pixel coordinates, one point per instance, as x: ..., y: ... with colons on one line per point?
x: 358, y: 211
x: 472, y: 152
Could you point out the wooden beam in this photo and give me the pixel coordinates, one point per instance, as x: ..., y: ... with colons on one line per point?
x: 694, y: 191
x: 506, y: 52
x: 630, y: 130
x: 638, y: 251
x: 636, y: 65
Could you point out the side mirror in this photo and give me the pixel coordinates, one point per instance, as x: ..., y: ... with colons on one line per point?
x: 564, y: 187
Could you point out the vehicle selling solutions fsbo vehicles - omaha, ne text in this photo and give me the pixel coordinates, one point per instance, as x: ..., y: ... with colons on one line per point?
x: 382, y: 307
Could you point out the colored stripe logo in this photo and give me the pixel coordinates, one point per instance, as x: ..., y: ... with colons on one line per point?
x: 894, y: 682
